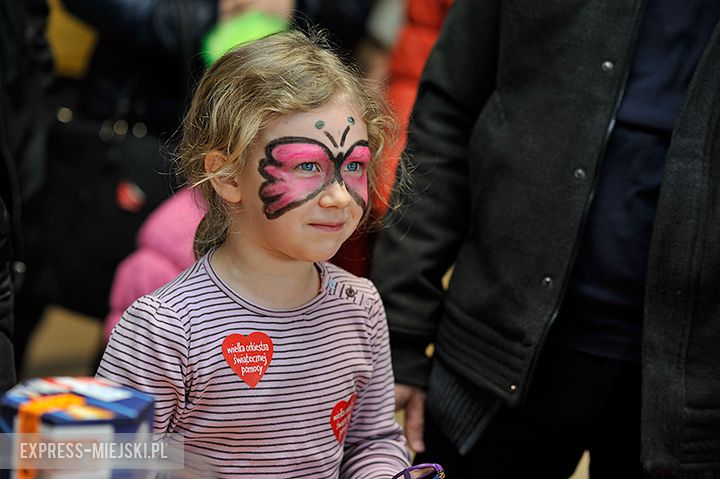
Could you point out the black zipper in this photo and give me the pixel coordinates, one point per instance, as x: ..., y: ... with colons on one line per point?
x: 588, y: 202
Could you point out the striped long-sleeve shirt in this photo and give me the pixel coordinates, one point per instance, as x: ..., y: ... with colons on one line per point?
x: 295, y: 393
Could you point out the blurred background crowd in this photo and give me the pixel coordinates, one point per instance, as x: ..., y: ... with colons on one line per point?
x: 93, y: 92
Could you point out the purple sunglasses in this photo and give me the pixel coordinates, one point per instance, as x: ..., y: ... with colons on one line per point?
x: 421, y: 471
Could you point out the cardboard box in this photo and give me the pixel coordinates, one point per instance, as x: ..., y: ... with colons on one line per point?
x: 83, y: 409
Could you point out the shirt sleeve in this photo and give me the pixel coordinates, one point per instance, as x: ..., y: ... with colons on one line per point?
x: 148, y: 351
x: 375, y: 446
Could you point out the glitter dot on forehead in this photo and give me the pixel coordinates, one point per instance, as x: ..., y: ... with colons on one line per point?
x: 351, y: 120
x: 319, y: 124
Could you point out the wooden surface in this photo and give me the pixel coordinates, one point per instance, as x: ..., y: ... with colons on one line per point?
x: 64, y: 344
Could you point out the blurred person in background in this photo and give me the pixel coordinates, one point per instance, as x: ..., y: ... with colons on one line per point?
x: 408, y: 53
x: 25, y: 73
x: 564, y: 156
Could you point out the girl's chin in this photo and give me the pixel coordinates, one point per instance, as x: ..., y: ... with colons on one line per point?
x: 320, y: 256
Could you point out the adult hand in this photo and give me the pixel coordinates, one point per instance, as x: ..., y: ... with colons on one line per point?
x: 412, y: 400
x: 228, y: 9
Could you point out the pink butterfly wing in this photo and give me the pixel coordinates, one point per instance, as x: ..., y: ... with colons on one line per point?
x: 357, y: 182
x: 285, y: 187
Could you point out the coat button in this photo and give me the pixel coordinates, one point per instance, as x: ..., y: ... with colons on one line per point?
x: 513, y: 389
x: 579, y: 174
x: 547, y: 282
x: 608, y: 65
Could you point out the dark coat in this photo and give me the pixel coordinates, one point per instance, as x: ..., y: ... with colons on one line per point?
x: 514, y: 110
x: 24, y: 73
x: 7, y: 363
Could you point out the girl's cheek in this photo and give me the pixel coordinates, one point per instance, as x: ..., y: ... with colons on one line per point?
x: 283, y: 194
x: 358, y: 181
x: 359, y: 185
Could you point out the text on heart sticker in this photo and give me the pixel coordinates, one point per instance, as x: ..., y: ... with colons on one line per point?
x: 340, y: 417
x: 249, y: 356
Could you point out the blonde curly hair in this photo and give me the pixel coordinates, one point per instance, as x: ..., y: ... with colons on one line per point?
x: 247, y: 89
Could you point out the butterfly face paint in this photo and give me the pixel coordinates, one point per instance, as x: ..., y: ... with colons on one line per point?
x: 297, y: 169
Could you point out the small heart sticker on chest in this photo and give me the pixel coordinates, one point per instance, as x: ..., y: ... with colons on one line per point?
x: 340, y: 417
x: 249, y: 356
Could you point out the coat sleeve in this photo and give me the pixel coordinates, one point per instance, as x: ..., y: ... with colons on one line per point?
x: 423, y: 235
x: 374, y: 445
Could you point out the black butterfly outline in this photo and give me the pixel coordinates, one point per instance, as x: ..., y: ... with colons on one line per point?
x: 337, y: 161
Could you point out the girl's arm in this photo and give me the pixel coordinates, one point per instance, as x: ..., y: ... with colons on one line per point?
x: 148, y: 351
x: 374, y: 445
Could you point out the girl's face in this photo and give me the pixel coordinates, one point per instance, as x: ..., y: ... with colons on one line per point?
x: 304, y: 188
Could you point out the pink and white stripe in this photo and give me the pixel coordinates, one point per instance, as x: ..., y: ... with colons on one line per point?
x: 169, y: 343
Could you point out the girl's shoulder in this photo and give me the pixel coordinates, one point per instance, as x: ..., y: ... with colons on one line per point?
x: 189, y: 286
x: 170, y: 307
x: 342, y: 284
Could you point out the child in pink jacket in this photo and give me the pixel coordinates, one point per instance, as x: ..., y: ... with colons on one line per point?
x: 165, y: 248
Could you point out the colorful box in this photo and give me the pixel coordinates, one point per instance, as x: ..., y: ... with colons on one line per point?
x: 64, y: 407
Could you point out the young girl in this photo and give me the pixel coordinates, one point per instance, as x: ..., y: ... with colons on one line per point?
x: 268, y: 360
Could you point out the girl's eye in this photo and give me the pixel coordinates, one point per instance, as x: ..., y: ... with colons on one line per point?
x: 353, y: 166
x: 309, y: 166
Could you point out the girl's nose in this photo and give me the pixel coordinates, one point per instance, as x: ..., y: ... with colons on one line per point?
x: 335, y: 195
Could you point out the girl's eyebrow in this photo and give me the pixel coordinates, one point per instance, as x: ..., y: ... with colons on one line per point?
x: 360, y: 147
x: 272, y: 145
x: 292, y: 151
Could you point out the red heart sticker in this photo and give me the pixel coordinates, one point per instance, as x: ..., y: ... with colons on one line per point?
x: 249, y: 356
x: 340, y: 417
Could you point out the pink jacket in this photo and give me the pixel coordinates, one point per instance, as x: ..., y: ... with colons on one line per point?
x: 165, y: 243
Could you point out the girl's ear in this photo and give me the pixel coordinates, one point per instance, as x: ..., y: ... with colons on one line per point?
x: 225, y: 185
